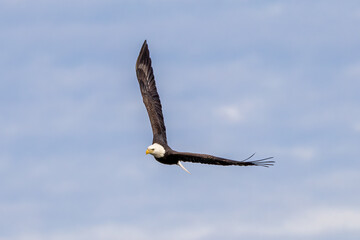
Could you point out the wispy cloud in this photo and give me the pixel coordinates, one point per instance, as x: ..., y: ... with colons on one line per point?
x: 244, y: 111
x: 357, y: 127
x: 314, y: 223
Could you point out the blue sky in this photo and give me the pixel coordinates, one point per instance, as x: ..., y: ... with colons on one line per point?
x: 279, y: 78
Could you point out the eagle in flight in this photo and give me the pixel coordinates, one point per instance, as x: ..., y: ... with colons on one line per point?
x: 160, y: 149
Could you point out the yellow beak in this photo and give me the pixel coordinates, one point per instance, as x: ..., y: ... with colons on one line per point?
x: 147, y: 151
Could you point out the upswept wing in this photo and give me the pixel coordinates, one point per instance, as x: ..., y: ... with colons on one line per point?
x: 209, y: 159
x: 151, y: 99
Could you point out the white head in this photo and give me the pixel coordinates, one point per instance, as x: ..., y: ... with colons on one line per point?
x: 156, y: 150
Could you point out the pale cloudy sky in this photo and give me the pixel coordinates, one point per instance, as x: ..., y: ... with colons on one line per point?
x: 279, y: 78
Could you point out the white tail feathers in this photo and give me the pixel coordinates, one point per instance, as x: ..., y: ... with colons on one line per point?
x: 179, y: 163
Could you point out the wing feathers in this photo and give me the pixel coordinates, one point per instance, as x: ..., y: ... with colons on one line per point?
x: 151, y: 99
x: 209, y: 159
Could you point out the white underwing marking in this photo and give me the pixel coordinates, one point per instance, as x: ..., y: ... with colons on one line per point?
x: 179, y: 163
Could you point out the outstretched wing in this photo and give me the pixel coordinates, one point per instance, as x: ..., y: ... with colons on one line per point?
x: 209, y: 159
x: 151, y: 99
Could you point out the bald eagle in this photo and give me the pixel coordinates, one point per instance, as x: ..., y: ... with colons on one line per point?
x: 160, y: 149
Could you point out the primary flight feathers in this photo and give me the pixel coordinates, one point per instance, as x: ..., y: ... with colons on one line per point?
x: 160, y: 149
x: 149, y: 93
